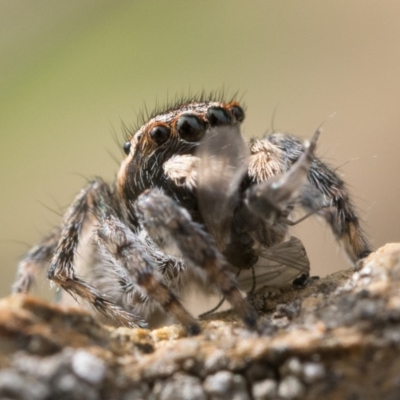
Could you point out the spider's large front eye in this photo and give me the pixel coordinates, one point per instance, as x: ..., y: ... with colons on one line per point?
x: 127, y: 147
x: 238, y: 113
x: 160, y: 133
x: 190, y: 127
x: 218, y: 116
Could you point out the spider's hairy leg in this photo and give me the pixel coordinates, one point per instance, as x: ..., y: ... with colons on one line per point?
x: 34, y: 260
x: 329, y: 191
x: 326, y: 194
x: 138, y: 270
x: 95, y: 200
x: 172, y: 229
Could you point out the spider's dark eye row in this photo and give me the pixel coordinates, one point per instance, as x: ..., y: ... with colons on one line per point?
x: 218, y: 116
x: 127, y: 147
x: 160, y: 133
x: 238, y: 113
x: 190, y: 127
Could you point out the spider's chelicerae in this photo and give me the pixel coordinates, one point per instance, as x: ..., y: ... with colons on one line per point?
x: 191, y: 198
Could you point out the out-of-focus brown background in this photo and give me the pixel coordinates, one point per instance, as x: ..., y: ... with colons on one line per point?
x: 71, y: 71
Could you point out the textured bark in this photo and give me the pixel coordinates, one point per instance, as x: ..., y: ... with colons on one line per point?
x: 337, y: 338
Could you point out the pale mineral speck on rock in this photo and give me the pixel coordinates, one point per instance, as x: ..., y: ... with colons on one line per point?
x: 265, y: 390
x: 292, y: 366
x: 291, y: 388
x: 88, y: 367
x: 313, y: 372
x: 216, y: 361
x: 180, y: 387
x: 225, y: 385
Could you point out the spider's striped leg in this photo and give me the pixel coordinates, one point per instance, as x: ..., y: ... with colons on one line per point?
x: 95, y: 200
x: 37, y: 258
x: 172, y: 229
x: 137, y: 269
x: 328, y: 190
x: 325, y: 193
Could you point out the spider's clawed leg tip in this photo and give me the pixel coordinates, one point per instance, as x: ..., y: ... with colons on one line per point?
x: 193, y: 329
x: 364, y: 254
x: 250, y: 320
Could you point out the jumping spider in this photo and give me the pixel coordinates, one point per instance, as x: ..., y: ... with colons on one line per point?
x: 191, y: 196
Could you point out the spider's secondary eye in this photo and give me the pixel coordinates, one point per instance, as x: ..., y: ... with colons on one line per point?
x: 218, y: 116
x: 160, y: 133
x: 190, y: 127
x: 127, y: 147
x: 238, y: 113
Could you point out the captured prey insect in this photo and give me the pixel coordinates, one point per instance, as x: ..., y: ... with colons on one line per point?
x: 193, y: 199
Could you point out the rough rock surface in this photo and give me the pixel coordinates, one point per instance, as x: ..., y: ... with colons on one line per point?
x: 337, y: 338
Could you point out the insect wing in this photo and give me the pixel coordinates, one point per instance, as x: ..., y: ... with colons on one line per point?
x: 277, y: 266
x: 223, y: 163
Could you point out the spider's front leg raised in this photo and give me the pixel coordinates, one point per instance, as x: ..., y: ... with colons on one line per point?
x: 270, y: 199
x: 323, y: 192
x: 327, y: 194
x: 172, y: 229
x: 94, y: 201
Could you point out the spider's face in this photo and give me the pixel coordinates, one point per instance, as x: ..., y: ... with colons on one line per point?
x: 174, y: 132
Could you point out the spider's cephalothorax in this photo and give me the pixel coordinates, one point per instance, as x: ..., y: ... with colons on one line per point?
x: 192, y: 196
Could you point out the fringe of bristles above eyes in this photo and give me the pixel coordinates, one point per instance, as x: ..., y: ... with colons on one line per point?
x: 177, y: 102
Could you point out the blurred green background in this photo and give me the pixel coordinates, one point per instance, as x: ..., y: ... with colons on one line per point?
x: 71, y: 71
